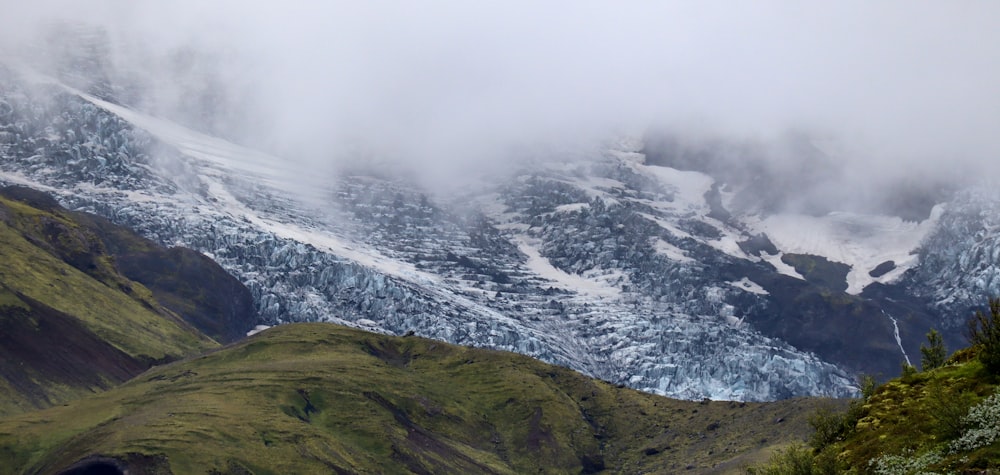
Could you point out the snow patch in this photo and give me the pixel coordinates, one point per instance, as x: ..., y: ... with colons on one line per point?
x: 749, y: 286
x: 224, y: 155
x: 780, y: 266
x: 596, y: 187
x: 689, y: 187
x: 667, y: 225
x: 572, y: 207
x: 860, y: 241
x: 671, y: 251
x: 593, y: 284
x: 728, y: 243
x: 257, y: 329
x: 19, y: 179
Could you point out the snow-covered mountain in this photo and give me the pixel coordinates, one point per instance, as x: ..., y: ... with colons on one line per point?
x: 643, y: 272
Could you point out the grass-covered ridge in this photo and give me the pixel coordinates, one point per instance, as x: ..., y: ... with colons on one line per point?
x: 113, y: 307
x: 944, y: 420
x: 70, y: 323
x: 319, y: 398
x: 922, y: 415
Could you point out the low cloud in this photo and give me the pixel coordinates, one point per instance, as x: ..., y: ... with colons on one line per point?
x: 890, y: 88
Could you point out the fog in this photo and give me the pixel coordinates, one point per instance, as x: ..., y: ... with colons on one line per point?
x: 890, y: 88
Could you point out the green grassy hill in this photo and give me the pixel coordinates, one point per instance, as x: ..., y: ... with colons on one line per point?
x: 70, y: 322
x: 319, y: 398
x: 920, y: 417
x: 945, y: 420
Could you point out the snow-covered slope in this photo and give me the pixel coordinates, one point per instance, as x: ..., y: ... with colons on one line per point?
x: 623, y: 270
x: 960, y: 259
x: 860, y: 241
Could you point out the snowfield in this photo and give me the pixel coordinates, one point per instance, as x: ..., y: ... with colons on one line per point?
x: 603, y: 264
x: 860, y: 241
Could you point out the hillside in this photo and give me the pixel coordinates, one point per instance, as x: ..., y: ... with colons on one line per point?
x: 72, y: 322
x: 311, y: 398
x: 945, y: 420
x: 917, y: 419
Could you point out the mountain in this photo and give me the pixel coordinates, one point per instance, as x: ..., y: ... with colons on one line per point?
x: 74, y: 322
x: 80, y: 337
x: 322, y: 398
x: 637, y: 263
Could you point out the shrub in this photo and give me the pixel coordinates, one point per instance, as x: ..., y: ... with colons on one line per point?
x: 948, y: 408
x: 827, y: 425
x: 984, y: 333
x: 905, y: 464
x: 797, y: 460
x: 868, y: 384
x: 909, y: 371
x: 935, y: 354
x: 830, y: 426
x: 982, y: 426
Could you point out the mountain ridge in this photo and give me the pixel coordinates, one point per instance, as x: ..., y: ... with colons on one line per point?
x: 72, y: 323
x: 633, y: 272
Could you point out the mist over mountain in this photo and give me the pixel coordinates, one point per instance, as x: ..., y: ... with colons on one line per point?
x: 735, y: 202
x: 795, y: 174
x: 898, y: 91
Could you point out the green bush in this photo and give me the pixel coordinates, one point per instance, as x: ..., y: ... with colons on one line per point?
x: 984, y: 333
x: 935, y: 354
x: 828, y: 427
x: 981, y: 426
x: 868, y: 384
x: 947, y: 408
x: 797, y: 460
x: 908, y: 372
x: 831, y: 426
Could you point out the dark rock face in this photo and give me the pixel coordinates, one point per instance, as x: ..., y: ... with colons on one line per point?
x: 196, y: 288
x: 882, y: 269
x: 59, y: 350
x: 130, y: 464
x: 31, y: 197
x: 95, y: 467
x: 759, y: 244
x: 182, y: 280
x: 819, y: 270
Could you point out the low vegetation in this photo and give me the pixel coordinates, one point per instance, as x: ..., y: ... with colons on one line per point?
x: 819, y: 270
x: 945, y: 419
x: 984, y: 333
x: 933, y: 354
x: 320, y: 398
x: 70, y: 323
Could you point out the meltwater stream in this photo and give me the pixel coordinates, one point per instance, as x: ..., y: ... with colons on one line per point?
x: 899, y: 341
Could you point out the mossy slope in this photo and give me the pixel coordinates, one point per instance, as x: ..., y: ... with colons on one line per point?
x: 319, y: 398
x: 186, y: 282
x: 71, y: 324
x: 910, y: 424
x: 922, y: 413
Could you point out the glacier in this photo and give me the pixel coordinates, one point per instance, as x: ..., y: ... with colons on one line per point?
x: 619, y: 269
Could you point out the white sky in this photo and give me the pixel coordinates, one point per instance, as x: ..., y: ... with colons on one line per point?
x: 909, y: 84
